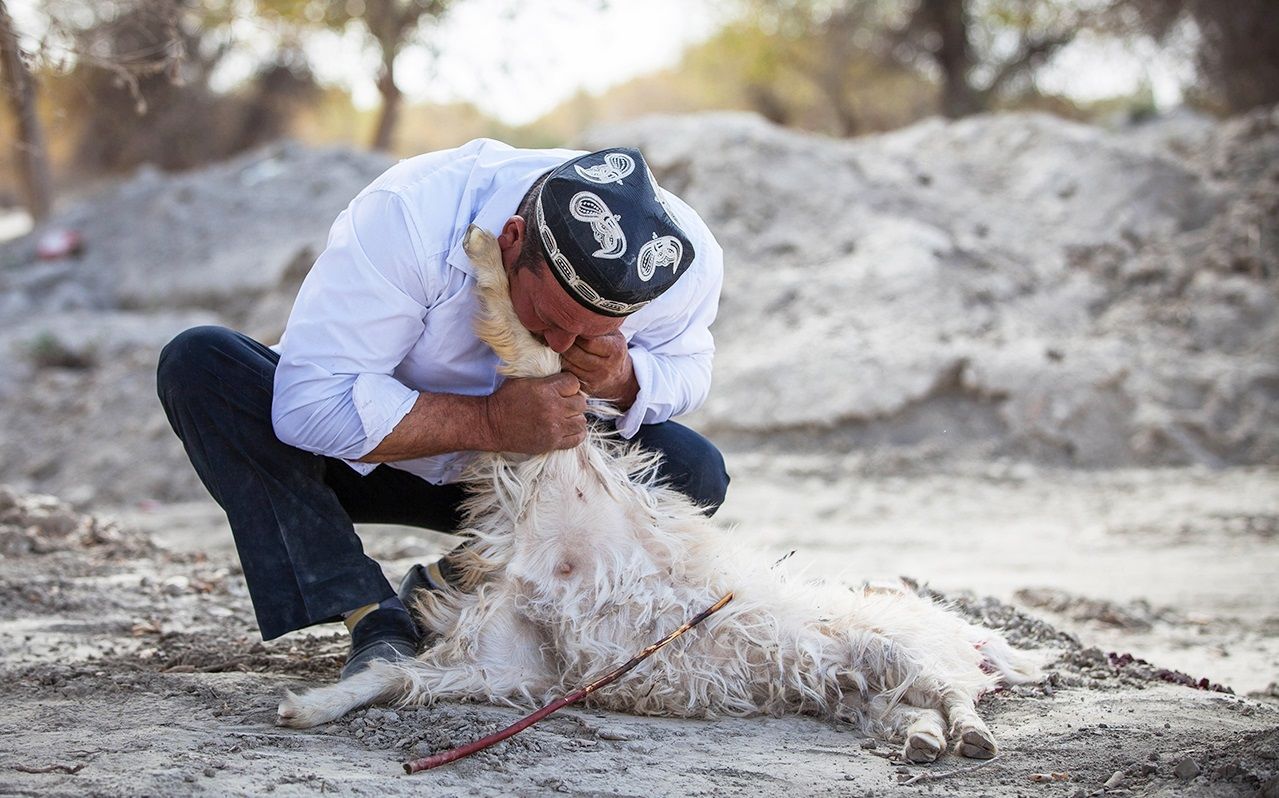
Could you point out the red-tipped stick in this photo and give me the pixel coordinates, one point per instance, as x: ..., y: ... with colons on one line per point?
x: 435, y: 760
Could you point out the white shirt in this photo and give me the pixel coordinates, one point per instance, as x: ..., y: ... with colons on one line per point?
x: 387, y: 310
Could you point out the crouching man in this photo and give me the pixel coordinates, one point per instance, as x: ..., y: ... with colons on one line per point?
x: 379, y: 392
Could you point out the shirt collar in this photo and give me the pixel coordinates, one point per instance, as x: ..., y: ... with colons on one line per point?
x: 500, y: 206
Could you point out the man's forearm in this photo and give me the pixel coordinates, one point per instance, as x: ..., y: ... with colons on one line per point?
x: 438, y: 423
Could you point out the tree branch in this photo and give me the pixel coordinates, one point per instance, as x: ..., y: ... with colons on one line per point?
x: 1031, y: 55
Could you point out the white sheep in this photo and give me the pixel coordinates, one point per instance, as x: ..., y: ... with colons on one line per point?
x: 581, y: 558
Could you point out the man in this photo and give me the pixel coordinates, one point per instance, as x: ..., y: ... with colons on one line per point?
x: 379, y: 365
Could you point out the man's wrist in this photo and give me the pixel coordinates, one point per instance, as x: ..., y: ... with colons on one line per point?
x: 624, y: 392
x: 484, y: 427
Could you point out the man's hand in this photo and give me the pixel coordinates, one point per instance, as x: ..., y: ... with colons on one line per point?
x: 536, y: 415
x: 603, y: 364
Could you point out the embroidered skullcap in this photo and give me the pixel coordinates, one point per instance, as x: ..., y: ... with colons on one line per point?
x: 607, y: 233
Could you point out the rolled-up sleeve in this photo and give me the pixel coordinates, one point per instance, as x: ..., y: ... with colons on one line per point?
x: 358, y: 313
x: 672, y: 355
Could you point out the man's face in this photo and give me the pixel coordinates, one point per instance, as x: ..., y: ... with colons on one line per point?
x: 547, y: 311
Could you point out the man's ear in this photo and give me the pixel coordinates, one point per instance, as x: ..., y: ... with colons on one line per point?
x: 511, y: 240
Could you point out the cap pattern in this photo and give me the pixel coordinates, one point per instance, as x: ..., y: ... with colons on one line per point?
x: 586, y: 207
x: 616, y: 166
x: 660, y: 253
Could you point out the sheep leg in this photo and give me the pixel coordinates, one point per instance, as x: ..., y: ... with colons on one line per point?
x: 971, y: 735
x: 378, y: 682
x: 493, y: 653
x: 497, y: 325
x: 409, y: 681
x: 923, y: 728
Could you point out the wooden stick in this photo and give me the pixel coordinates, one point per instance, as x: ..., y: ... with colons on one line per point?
x: 931, y: 776
x: 435, y: 760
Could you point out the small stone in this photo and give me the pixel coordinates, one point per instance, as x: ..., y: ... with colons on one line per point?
x: 188, y: 777
x: 1227, y: 771
x: 869, y: 744
x: 1186, y: 769
x: 1114, y: 781
x: 209, y: 773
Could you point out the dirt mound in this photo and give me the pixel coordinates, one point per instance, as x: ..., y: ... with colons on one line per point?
x: 1010, y: 285
x: 213, y: 238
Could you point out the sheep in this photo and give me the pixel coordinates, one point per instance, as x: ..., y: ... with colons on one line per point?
x: 581, y: 557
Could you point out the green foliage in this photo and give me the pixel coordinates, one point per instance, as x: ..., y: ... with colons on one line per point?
x: 46, y: 350
x: 770, y: 65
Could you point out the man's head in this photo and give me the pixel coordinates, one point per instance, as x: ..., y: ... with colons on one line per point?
x: 591, y: 243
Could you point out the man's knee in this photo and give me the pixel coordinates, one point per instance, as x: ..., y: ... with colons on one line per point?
x: 708, y: 481
x: 691, y: 463
x: 190, y: 352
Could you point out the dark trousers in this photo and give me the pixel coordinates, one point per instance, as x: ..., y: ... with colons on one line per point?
x: 293, y: 512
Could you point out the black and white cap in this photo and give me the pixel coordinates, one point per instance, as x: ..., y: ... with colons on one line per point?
x: 607, y: 233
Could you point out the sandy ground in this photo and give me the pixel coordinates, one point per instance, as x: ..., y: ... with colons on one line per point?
x: 131, y: 663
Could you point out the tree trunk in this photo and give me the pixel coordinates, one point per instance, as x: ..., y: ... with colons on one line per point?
x: 953, y: 54
x: 390, y: 111
x: 832, y: 77
x: 19, y: 87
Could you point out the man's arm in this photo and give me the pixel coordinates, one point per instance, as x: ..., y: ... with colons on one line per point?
x: 671, y: 351
x: 528, y: 416
x: 358, y: 313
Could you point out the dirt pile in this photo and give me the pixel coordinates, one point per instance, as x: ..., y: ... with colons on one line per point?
x: 1010, y: 285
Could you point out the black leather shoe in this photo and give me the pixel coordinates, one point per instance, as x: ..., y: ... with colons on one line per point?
x: 388, y: 634
x: 421, y: 577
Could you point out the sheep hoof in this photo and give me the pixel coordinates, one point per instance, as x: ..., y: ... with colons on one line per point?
x: 922, y: 747
x: 292, y: 712
x: 976, y: 742
x: 307, y: 710
x: 478, y: 242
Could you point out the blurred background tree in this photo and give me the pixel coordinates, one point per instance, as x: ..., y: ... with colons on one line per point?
x: 1234, y: 45
x: 390, y: 25
x: 98, y: 87
x: 31, y: 162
